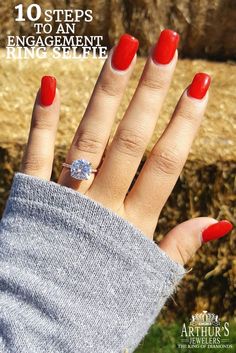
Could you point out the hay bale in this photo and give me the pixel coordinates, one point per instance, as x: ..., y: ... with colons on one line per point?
x: 197, y: 21
x: 205, y: 190
x: 214, y: 142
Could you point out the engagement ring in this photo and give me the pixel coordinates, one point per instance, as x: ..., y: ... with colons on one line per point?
x: 80, y: 169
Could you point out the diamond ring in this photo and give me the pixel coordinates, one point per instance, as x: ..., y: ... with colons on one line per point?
x: 80, y: 169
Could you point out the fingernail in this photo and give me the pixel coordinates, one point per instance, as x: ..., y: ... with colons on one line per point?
x: 166, y: 46
x: 216, y: 230
x: 48, y: 90
x: 124, y: 52
x: 199, y: 85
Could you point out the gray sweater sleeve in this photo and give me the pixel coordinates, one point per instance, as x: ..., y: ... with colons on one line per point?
x: 75, y: 277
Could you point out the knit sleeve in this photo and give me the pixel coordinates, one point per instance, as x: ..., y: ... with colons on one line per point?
x: 75, y: 277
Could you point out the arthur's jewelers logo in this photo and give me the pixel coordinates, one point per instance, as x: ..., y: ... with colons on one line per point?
x: 205, y: 330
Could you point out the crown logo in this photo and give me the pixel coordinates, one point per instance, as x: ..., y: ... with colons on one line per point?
x: 205, y: 319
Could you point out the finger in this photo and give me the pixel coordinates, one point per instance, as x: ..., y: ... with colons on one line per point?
x: 183, y: 241
x: 39, y: 151
x: 162, y: 168
x: 136, y: 128
x: 94, y: 130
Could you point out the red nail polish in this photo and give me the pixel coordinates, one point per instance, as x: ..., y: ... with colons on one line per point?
x: 216, y: 230
x: 199, y: 85
x: 166, y: 46
x: 124, y: 52
x: 48, y: 90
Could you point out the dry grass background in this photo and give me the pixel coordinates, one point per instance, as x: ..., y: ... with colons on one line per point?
x: 21, y: 79
x: 206, y: 186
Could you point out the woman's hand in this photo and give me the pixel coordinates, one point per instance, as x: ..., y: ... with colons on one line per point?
x: 117, y: 163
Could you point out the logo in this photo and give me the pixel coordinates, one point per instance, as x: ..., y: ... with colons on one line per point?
x: 205, y: 330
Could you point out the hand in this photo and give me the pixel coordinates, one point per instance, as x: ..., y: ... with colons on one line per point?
x: 117, y: 163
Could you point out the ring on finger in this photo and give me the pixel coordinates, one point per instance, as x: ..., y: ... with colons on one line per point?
x: 80, y: 169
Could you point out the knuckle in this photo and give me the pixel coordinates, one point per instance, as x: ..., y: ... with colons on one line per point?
x: 43, y: 123
x: 129, y: 142
x: 154, y: 84
x: 166, y: 161
x: 34, y: 163
x: 188, y: 114
x: 108, y: 88
x: 88, y: 142
x: 185, y: 253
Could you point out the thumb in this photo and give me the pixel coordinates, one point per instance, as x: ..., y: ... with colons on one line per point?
x: 185, y: 239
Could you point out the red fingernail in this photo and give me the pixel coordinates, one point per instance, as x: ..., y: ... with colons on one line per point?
x: 124, y: 52
x: 48, y: 90
x: 216, y: 230
x: 166, y: 46
x: 199, y: 85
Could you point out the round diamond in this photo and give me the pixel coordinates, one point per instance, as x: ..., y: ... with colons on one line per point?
x: 81, y: 169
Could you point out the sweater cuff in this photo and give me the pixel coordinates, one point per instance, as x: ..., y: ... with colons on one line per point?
x: 69, y: 258
x: 47, y: 199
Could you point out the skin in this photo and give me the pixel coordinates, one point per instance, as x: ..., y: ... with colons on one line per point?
x: 118, y: 162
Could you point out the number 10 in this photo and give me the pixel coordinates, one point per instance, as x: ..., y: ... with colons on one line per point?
x: 30, y: 16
